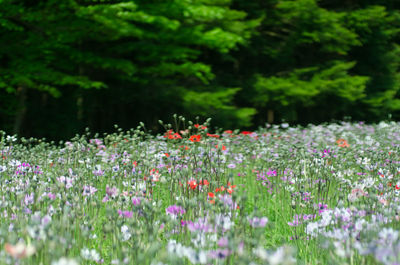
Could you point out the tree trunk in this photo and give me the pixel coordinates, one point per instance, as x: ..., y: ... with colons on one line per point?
x: 270, y: 116
x: 21, y: 111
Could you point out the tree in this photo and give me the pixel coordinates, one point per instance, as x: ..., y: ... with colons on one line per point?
x: 143, y: 55
x: 319, y: 59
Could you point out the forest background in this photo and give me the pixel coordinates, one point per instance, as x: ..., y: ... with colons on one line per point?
x: 70, y: 64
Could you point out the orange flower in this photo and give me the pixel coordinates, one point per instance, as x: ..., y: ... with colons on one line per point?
x: 195, y: 138
x: 342, y: 143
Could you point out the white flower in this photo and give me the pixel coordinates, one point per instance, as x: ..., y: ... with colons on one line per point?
x: 282, y: 255
x: 312, y: 229
x: 10, y: 138
x: 90, y: 254
x: 125, y: 233
x: 3, y: 168
x: 285, y: 125
x: 261, y: 253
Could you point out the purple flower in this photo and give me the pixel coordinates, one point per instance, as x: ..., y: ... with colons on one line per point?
x: 231, y: 166
x: 322, y: 207
x: 201, y: 225
x: 29, y: 199
x: 175, y: 210
x: 111, y: 191
x: 46, y: 220
x: 98, y: 172
x: 227, y: 201
x: 223, y: 242
x: 51, y: 196
x: 219, y: 253
x: 88, y: 190
x: 67, y: 181
x: 258, y: 222
x: 136, y: 201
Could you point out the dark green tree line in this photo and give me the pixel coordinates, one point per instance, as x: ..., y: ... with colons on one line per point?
x: 68, y: 64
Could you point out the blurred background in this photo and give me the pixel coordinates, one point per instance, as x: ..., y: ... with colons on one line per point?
x: 70, y: 64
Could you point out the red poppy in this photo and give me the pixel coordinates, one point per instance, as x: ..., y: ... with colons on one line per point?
x: 175, y: 136
x: 166, y: 154
x: 195, y: 138
x: 213, y: 135
x: 246, y: 132
x: 192, y: 184
x: 228, y: 131
x: 211, y: 195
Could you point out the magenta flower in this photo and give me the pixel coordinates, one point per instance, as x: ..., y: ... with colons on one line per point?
x: 136, y: 201
x: 126, y: 214
x: 51, y: 196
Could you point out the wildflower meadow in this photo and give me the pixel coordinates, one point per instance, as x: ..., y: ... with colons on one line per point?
x: 320, y: 194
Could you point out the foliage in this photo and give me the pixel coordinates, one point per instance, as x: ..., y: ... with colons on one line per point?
x: 96, y: 63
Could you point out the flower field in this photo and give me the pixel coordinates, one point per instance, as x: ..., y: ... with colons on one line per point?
x: 326, y: 194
